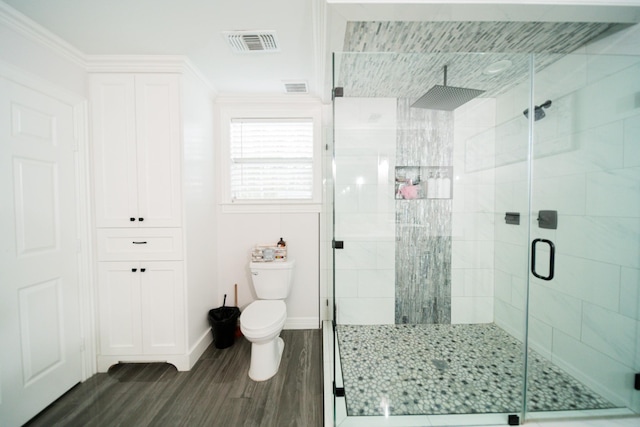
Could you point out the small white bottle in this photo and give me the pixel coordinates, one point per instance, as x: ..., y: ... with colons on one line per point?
x: 431, y: 186
x: 444, y: 186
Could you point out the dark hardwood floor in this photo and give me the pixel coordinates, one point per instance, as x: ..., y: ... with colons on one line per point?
x: 216, y: 392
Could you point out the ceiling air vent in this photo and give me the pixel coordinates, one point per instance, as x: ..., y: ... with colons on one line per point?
x: 252, y: 41
x: 295, y: 87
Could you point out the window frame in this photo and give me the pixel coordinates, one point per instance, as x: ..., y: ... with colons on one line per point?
x: 306, y: 110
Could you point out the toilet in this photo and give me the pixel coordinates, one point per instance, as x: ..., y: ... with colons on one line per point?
x: 262, y: 321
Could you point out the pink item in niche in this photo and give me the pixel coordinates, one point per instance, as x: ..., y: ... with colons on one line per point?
x: 409, y: 191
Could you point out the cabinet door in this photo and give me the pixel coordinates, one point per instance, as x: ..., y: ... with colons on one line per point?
x: 120, y: 328
x: 158, y: 149
x: 114, y: 149
x: 163, y: 313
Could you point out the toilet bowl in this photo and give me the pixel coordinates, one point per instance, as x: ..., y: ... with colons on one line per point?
x: 261, y: 323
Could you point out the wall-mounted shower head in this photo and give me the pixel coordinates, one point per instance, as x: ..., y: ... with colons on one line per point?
x: 538, y: 111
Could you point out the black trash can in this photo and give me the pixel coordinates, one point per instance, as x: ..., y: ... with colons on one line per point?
x: 223, y: 321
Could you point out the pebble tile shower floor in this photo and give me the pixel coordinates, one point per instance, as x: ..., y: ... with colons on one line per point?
x: 449, y: 369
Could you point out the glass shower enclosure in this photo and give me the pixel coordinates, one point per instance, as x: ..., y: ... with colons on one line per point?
x: 486, y: 237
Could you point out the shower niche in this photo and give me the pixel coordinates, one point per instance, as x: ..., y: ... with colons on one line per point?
x: 423, y: 182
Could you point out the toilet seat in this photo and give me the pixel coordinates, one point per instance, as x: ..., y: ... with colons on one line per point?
x: 263, y: 317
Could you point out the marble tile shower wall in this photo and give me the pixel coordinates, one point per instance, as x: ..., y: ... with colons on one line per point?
x: 587, y: 167
x: 374, y: 225
x: 472, y: 265
x: 365, y: 146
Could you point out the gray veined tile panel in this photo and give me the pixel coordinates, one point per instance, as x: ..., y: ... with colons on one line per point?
x: 216, y: 392
x: 405, y: 59
x: 425, y: 137
x: 467, y: 36
x: 423, y: 226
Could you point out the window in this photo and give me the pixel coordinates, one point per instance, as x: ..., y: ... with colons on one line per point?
x: 271, y: 159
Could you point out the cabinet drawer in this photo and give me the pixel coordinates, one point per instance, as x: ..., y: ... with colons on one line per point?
x: 140, y: 244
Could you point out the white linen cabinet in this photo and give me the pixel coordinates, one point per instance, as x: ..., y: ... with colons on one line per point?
x: 136, y: 142
x: 142, y: 291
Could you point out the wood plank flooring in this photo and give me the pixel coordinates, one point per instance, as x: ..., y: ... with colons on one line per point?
x: 216, y: 392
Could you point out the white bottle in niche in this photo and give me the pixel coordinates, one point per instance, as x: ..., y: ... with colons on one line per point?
x: 438, y: 189
x: 444, y: 186
x: 432, y: 189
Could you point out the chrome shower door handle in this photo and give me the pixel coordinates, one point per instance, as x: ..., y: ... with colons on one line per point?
x: 552, y: 258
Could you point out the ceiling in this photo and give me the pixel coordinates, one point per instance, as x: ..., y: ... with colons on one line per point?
x: 192, y: 28
x: 307, y: 31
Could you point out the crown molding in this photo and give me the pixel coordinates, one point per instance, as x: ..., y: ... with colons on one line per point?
x: 37, y: 33
x: 274, y: 101
x: 135, y: 63
x: 178, y: 64
x: 189, y: 67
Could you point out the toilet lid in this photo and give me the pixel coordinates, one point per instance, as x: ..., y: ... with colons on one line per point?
x: 263, y: 314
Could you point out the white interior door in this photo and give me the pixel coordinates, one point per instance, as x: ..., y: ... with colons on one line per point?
x: 39, y: 296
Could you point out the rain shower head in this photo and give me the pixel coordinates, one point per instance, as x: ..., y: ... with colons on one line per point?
x: 448, y: 98
x: 538, y: 112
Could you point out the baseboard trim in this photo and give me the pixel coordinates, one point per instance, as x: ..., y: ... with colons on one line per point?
x: 302, y: 323
x: 200, y: 347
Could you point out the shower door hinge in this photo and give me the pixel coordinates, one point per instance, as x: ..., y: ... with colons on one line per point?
x: 513, y: 420
x: 338, y: 244
x: 338, y: 92
x: 636, y: 385
x: 338, y: 391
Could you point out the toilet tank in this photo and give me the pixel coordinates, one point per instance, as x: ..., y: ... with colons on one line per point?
x: 272, y: 280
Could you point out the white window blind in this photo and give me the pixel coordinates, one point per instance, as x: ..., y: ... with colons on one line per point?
x: 271, y: 159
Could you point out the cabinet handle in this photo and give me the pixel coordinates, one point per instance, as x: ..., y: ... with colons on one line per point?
x: 139, y: 243
x: 140, y: 219
x: 143, y: 270
x: 132, y: 219
x: 133, y: 270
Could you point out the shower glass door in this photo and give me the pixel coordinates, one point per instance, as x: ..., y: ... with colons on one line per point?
x: 584, y: 282
x: 431, y: 239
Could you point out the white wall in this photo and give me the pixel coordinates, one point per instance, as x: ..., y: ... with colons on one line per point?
x: 473, y: 212
x: 241, y: 227
x: 238, y: 233
x: 511, y: 195
x: 365, y: 141
x: 199, y: 187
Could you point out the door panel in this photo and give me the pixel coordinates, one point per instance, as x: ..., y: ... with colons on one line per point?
x: 584, y: 300
x: 42, y: 348
x: 119, y: 298
x: 39, y: 296
x: 158, y: 144
x: 162, y: 307
x: 114, y: 149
